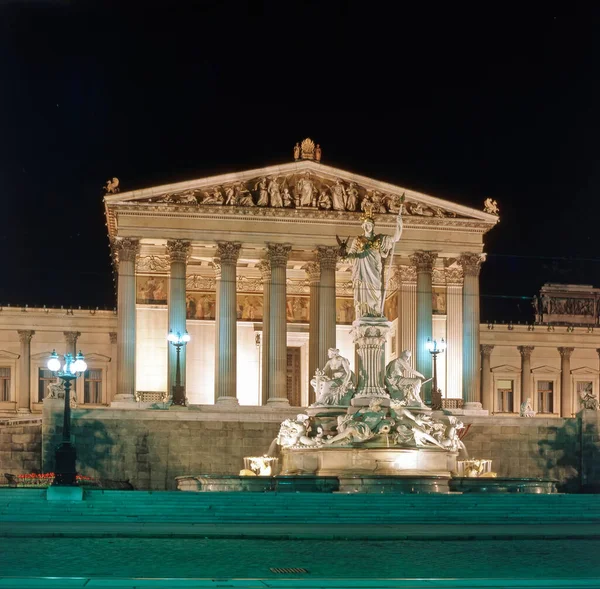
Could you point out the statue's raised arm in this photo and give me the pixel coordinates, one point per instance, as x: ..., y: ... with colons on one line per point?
x: 399, y: 226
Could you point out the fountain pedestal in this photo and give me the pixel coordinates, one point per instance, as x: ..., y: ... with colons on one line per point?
x: 370, y: 335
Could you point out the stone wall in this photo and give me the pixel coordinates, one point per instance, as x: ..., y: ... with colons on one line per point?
x: 151, y: 447
x: 528, y: 447
x: 20, y: 448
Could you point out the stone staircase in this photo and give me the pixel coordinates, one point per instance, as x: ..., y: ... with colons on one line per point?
x: 298, y: 509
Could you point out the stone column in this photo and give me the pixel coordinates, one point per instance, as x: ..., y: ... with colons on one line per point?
x: 113, y: 365
x: 327, y: 257
x: 24, y: 394
x: 178, y: 252
x: 226, y: 323
x: 471, y: 265
x: 566, y: 393
x: 126, y: 250
x: 408, y: 307
x: 265, y: 271
x: 424, y: 262
x: 487, y: 395
x: 278, y: 256
x: 454, y: 327
x: 525, y: 352
x: 314, y: 276
x: 71, y: 338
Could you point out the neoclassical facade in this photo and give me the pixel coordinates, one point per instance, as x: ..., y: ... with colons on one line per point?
x: 248, y: 264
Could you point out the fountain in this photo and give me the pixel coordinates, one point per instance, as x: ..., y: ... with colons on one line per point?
x: 370, y: 432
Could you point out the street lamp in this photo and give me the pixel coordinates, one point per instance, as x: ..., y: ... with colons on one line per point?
x: 65, y: 454
x: 434, y: 348
x: 178, y: 340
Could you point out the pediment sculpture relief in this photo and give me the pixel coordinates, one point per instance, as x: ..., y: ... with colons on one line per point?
x: 304, y: 190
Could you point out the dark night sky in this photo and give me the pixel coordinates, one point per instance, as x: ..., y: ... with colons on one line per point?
x: 463, y: 105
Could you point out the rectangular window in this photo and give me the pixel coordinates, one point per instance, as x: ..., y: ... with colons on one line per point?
x: 505, y: 396
x: 45, y: 377
x: 92, y: 386
x: 4, y: 383
x: 545, y: 392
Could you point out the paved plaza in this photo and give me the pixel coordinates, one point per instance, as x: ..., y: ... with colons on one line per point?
x: 192, y: 562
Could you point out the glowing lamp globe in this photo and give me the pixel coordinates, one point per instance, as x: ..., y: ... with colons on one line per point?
x: 53, y: 362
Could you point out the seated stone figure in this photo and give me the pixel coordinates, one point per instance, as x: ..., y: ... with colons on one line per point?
x: 527, y: 408
x: 334, y: 384
x: 404, y: 382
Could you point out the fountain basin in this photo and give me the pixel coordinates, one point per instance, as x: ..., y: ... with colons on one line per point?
x: 346, y: 461
x: 503, y: 485
x: 224, y: 483
x: 377, y: 484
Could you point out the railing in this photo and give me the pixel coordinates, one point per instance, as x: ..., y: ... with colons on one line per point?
x: 452, y: 403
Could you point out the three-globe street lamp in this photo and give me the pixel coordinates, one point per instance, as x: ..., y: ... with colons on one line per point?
x: 178, y: 340
x: 65, y: 454
x: 434, y: 348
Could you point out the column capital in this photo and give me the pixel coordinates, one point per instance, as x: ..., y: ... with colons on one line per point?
x: 407, y: 273
x: 264, y: 266
x: 71, y: 337
x: 25, y: 335
x: 178, y: 250
x: 565, y: 352
x: 126, y: 248
x: 113, y: 337
x: 454, y: 276
x: 471, y: 263
x: 598, y: 352
x: 228, y: 251
x: 313, y: 271
x: 327, y: 256
x: 423, y: 261
x: 525, y: 351
x: 486, y: 349
x: 278, y: 254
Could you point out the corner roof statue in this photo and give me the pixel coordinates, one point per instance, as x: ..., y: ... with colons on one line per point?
x: 112, y: 186
x: 491, y: 206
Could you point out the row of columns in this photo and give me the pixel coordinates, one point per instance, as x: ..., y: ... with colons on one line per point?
x: 566, y: 391
x: 322, y: 323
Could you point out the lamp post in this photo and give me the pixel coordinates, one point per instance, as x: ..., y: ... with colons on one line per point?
x: 178, y: 340
x: 65, y: 454
x: 434, y: 348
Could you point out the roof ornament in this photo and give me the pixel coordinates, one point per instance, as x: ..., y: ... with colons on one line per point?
x: 112, y: 186
x: 307, y: 151
x: 491, y: 206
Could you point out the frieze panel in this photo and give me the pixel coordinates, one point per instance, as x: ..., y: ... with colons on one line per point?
x: 152, y: 264
x: 199, y: 282
x: 303, y: 190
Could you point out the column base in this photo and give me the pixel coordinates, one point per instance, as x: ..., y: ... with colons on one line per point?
x: 23, y: 411
x: 282, y: 401
x: 472, y: 406
x: 232, y: 401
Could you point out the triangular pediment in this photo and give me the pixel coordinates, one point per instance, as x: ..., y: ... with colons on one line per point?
x: 506, y: 368
x: 584, y: 370
x: 9, y: 355
x: 545, y: 369
x: 306, y: 185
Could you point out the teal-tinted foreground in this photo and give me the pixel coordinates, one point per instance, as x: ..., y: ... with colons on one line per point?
x: 170, y: 539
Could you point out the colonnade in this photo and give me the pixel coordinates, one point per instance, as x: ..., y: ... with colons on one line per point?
x: 526, y: 380
x: 415, y: 320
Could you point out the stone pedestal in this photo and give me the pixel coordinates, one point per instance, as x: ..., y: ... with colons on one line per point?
x: 369, y: 335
